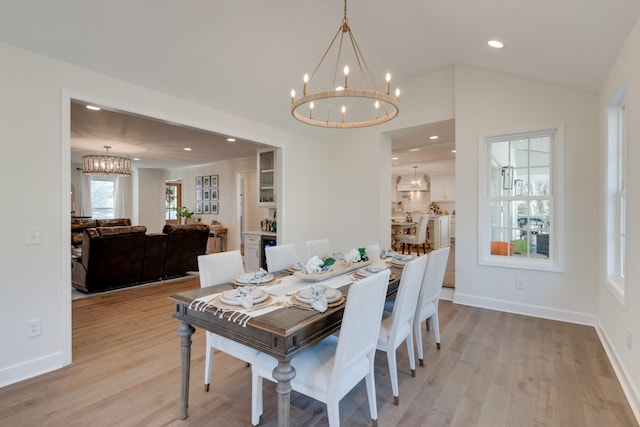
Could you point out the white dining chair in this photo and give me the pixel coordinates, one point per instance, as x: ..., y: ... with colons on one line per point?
x: 318, y: 247
x: 397, y: 326
x: 429, y: 297
x: 330, y: 369
x: 420, y: 238
x: 214, y: 269
x: 280, y: 257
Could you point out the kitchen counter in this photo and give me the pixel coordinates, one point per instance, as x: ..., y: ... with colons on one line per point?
x: 261, y: 233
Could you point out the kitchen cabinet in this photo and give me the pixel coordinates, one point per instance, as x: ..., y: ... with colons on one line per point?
x: 252, y: 251
x: 452, y: 227
x: 443, y: 188
x: 439, y: 231
x: 267, y: 177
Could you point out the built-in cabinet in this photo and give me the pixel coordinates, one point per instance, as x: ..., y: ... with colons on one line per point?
x: 443, y: 188
x: 439, y: 231
x: 267, y: 186
x: 252, y: 251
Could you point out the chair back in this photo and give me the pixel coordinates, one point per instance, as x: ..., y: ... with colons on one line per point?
x: 318, y: 247
x: 404, y: 307
x: 360, y: 324
x: 220, y: 267
x: 280, y: 257
x: 421, y: 229
x: 433, y: 278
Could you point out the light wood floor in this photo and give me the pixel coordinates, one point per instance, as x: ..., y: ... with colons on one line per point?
x: 494, y: 369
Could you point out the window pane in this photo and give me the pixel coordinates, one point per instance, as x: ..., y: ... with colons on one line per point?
x: 103, y: 198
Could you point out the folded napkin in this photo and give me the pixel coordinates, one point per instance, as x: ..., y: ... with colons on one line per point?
x: 243, y: 296
x: 318, y: 298
x: 258, y: 275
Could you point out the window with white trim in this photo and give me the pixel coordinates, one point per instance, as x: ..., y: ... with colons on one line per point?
x: 519, y: 193
x: 103, y: 197
x: 616, y: 193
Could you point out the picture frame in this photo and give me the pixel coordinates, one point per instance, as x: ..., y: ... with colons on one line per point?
x: 206, y: 194
x: 205, y: 208
x: 214, y: 194
x: 214, y: 208
x: 198, y: 182
x: 198, y: 194
x: 198, y: 207
x: 206, y: 181
x: 214, y: 180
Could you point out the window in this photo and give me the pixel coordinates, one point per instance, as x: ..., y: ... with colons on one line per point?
x: 173, y: 199
x: 616, y: 193
x: 103, y: 198
x: 519, y: 193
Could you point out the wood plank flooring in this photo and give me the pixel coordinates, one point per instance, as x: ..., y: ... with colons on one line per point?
x: 494, y: 369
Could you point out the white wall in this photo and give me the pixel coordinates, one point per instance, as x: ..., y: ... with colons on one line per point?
x: 615, y: 316
x: 149, y: 203
x: 35, y: 281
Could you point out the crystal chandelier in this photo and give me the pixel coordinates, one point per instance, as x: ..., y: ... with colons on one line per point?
x: 106, y: 165
x: 328, y: 108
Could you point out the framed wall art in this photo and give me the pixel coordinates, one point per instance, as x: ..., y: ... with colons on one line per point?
x: 214, y: 194
x: 205, y: 208
x: 206, y: 194
x: 206, y: 181
x: 214, y: 208
x: 214, y: 180
x: 198, y: 207
x: 198, y: 182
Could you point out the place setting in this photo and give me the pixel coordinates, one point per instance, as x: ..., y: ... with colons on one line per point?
x: 260, y: 277
x: 318, y: 298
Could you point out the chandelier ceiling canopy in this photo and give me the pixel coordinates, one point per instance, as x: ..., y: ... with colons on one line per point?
x: 349, y: 102
x: 106, y: 165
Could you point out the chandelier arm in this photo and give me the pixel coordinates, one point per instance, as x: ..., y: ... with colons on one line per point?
x: 360, y: 57
x: 324, y: 55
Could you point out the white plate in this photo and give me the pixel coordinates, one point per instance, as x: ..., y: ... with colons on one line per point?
x: 248, y: 278
x: 298, y: 266
x: 230, y: 297
x: 306, y: 295
x: 366, y: 271
x: 402, y: 261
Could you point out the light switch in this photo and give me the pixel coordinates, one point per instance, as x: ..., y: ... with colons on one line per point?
x: 33, y: 236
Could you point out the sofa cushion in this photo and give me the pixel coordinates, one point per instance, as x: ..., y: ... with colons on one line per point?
x: 114, y: 222
x: 114, y: 231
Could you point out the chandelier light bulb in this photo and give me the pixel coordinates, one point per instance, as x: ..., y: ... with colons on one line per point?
x: 388, y: 79
x: 344, y: 113
x: 397, y: 94
x: 305, y: 79
x: 346, y: 76
x: 311, y: 110
x: 293, y: 95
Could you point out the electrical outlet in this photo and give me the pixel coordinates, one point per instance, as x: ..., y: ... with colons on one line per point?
x: 519, y: 283
x: 629, y: 339
x: 33, y: 328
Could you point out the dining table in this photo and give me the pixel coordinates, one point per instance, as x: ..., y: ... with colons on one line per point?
x: 282, y: 332
x: 400, y: 227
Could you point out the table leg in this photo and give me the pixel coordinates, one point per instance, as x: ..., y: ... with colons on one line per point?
x: 284, y: 373
x: 184, y: 332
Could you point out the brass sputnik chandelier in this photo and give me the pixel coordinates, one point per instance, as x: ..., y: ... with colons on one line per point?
x: 345, y: 106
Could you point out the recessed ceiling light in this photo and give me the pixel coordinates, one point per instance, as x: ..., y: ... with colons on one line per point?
x: 394, y: 158
x: 187, y: 149
x: 231, y: 140
x: 93, y: 107
x: 414, y: 149
x: 495, y: 43
x: 136, y: 158
x: 453, y: 151
x: 433, y: 137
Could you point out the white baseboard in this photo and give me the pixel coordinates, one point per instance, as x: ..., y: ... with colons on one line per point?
x: 31, y: 368
x: 631, y: 393
x: 525, y: 309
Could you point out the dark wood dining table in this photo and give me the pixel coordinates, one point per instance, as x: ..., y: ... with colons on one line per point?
x: 282, y: 333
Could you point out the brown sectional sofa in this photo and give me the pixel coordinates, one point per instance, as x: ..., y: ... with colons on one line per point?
x: 120, y: 256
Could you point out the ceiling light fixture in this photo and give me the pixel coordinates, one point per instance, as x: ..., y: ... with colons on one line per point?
x: 231, y: 140
x: 416, y: 181
x: 367, y: 105
x: 187, y: 149
x: 433, y: 137
x: 93, y: 107
x: 106, y: 165
x: 495, y: 43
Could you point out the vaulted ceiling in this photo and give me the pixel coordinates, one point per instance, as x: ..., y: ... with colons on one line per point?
x: 243, y: 57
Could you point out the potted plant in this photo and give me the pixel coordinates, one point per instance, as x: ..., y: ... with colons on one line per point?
x: 184, y: 212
